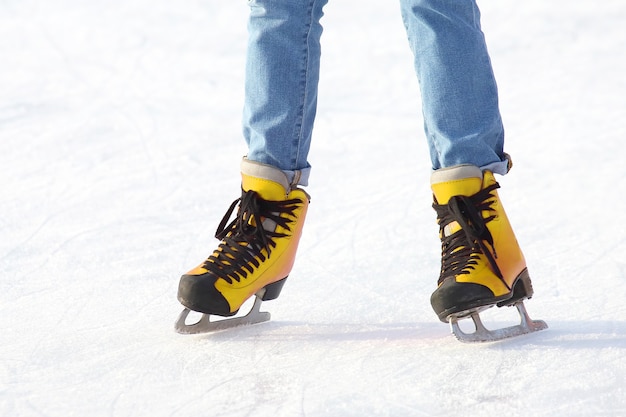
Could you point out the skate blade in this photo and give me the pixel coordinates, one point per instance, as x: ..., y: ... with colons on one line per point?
x: 205, y: 325
x: 482, y: 334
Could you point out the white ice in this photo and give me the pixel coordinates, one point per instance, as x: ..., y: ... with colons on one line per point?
x: 119, y: 153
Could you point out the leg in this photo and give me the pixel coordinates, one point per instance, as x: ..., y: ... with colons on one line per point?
x: 282, y: 74
x: 459, y: 93
x: 482, y: 264
x: 257, y: 249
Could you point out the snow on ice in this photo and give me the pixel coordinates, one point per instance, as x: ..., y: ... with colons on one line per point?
x: 119, y: 153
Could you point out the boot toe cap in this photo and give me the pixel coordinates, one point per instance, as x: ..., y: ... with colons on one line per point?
x: 198, y: 293
x: 453, y: 297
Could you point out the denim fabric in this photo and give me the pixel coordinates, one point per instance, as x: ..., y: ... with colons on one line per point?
x: 282, y: 73
x: 459, y: 93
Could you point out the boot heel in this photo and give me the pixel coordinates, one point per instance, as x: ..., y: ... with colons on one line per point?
x: 522, y: 289
x: 523, y: 286
x: 272, y: 291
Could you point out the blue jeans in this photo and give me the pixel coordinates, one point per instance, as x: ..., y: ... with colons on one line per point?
x: 459, y: 94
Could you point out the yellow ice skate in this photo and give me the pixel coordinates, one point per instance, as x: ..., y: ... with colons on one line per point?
x: 482, y: 264
x: 255, y: 255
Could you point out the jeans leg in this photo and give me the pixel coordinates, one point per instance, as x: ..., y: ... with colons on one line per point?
x: 459, y: 94
x: 282, y: 74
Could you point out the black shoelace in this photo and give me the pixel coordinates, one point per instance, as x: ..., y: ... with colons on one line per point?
x: 244, y: 238
x: 459, y: 251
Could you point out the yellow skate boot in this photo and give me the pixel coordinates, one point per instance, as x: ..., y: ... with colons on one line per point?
x: 255, y: 255
x: 482, y: 264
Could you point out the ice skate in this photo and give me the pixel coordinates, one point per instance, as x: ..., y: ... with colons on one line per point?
x: 482, y: 264
x: 255, y: 255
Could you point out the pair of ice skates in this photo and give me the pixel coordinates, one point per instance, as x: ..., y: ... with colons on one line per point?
x: 482, y: 264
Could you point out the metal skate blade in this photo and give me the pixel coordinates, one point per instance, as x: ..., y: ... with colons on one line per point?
x: 206, y: 325
x: 482, y: 334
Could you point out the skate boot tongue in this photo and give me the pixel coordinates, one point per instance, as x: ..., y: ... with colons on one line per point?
x: 268, y: 182
x: 463, y: 180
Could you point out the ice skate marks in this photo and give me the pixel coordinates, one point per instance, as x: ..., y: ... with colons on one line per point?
x: 482, y: 334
